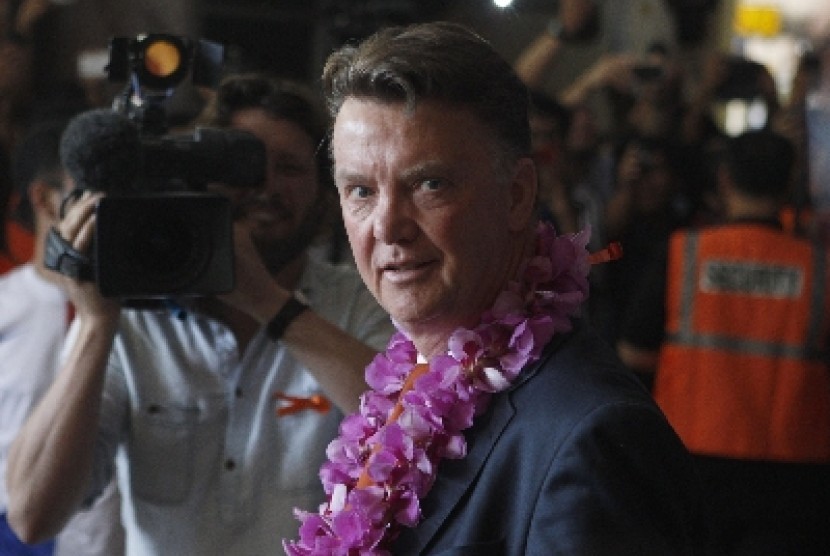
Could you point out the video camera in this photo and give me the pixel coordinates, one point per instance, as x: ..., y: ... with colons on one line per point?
x: 158, y: 233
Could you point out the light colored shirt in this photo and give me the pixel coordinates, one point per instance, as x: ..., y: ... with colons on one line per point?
x: 205, y: 464
x: 33, y: 323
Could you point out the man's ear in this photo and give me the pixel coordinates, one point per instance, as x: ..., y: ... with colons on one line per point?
x: 44, y: 199
x: 523, y: 191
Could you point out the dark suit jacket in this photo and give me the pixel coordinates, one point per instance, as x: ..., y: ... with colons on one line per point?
x: 574, y: 459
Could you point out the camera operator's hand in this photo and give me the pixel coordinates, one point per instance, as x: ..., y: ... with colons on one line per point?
x: 77, y: 227
x: 51, y: 460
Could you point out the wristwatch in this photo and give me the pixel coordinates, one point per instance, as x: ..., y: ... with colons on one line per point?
x: 293, y: 308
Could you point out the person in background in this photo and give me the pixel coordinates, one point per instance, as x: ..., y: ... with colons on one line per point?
x: 804, y: 120
x: 737, y: 328
x: 16, y: 242
x: 549, y: 126
x: 16, y: 25
x: 643, y: 92
x: 574, y: 165
x: 576, y: 22
x: 642, y: 87
x: 569, y: 165
x: 214, y: 419
x: 34, y: 317
x: 649, y: 202
x: 496, y: 423
x: 726, y: 77
x: 817, y: 118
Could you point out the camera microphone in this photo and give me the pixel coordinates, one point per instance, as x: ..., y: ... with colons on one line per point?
x: 101, y: 150
x: 105, y: 151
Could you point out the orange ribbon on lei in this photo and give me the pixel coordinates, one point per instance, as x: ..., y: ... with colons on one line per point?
x: 420, y: 370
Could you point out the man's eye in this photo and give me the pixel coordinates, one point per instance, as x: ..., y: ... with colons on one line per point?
x: 357, y: 192
x: 432, y: 184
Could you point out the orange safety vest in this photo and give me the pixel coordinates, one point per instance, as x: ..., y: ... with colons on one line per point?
x: 743, y: 371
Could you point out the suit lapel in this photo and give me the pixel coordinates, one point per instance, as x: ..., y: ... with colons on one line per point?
x: 456, y: 477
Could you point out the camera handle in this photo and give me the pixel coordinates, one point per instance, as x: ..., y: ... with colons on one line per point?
x: 61, y: 257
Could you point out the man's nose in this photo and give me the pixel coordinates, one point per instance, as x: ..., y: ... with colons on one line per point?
x: 395, y: 220
x: 272, y: 185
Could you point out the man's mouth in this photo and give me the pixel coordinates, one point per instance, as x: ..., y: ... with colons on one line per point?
x: 405, y: 271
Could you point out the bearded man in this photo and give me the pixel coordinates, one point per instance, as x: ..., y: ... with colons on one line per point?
x: 215, y: 420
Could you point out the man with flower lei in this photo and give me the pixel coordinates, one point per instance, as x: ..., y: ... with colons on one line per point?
x: 496, y: 423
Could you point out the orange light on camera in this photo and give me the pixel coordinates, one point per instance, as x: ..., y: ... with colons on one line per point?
x: 162, y: 58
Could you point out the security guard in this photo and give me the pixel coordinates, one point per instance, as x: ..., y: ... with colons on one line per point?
x: 737, y: 326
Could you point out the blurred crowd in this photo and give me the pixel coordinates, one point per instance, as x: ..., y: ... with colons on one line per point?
x: 630, y: 147
x: 645, y: 168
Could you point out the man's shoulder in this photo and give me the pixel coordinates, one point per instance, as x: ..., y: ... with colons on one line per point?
x: 579, y: 373
x: 758, y: 240
x: 17, y: 275
x: 22, y: 284
x: 743, y: 229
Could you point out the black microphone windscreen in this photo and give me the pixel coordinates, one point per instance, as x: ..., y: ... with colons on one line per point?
x: 101, y: 150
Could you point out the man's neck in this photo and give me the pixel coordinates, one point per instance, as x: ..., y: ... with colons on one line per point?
x: 753, y: 210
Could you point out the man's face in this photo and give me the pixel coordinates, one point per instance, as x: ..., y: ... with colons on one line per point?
x: 280, y: 213
x: 431, y: 214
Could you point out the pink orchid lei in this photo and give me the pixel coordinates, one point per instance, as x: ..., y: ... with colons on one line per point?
x: 401, y: 457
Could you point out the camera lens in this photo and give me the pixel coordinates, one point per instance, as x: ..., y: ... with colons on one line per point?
x: 151, y: 244
x: 162, y: 246
x: 165, y: 248
x: 165, y: 244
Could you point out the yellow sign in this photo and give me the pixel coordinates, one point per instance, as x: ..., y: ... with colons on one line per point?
x: 757, y: 20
